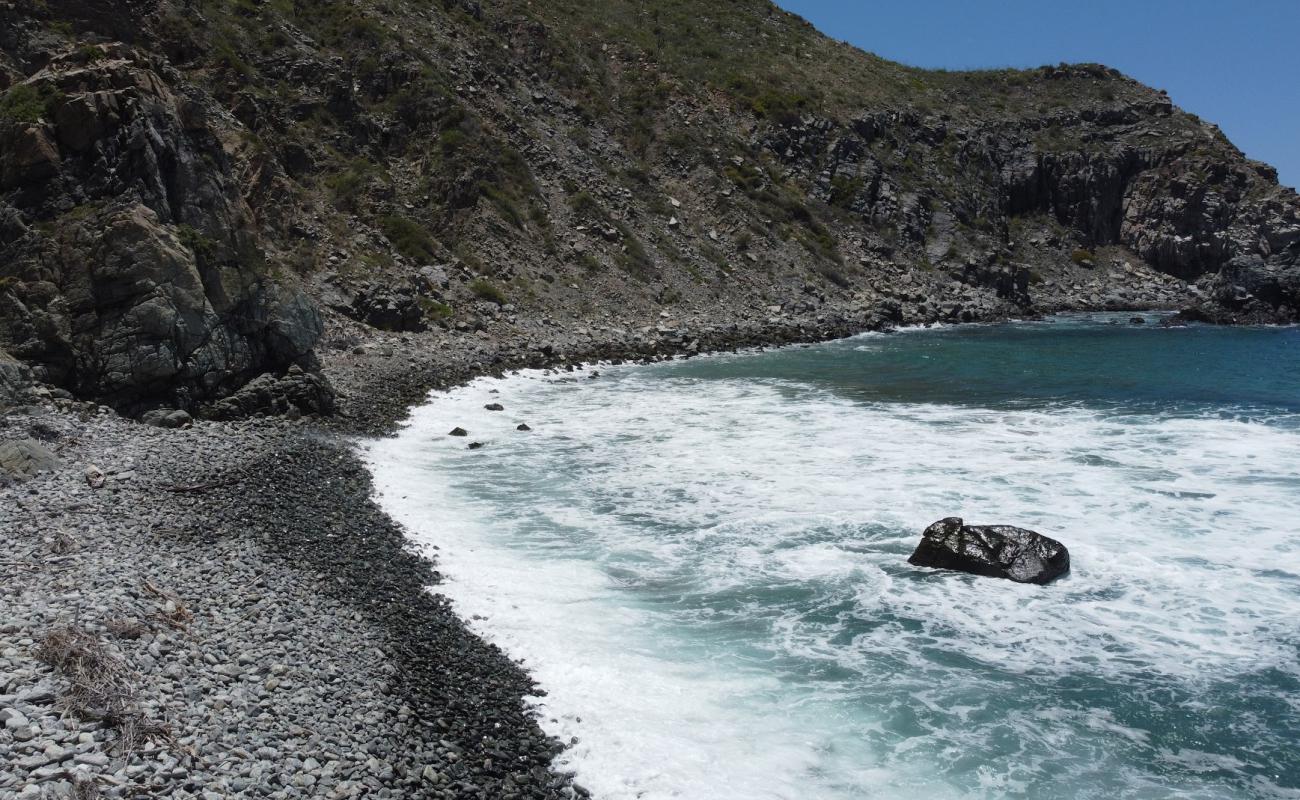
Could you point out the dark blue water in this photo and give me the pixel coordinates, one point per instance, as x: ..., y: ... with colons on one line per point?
x: 1097, y: 360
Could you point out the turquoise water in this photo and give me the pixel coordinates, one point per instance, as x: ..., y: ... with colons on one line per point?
x: 704, y: 562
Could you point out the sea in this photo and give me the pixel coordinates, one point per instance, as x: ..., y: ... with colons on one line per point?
x: 703, y: 562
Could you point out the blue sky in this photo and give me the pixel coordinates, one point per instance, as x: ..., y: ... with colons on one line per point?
x: 1233, y: 62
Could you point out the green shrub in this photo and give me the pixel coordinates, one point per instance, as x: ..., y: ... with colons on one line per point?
x: 434, y: 309
x: 586, y: 205
x: 844, y: 190
x: 410, y: 238
x: 203, y: 248
x: 580, y: 136
x: 348, y: 185
x: 486, y: 290
x: 23, y: 103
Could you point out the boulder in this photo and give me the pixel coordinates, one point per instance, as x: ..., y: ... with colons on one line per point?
x: 458, y: 431
x: 495, y: 407
x: 389, y: 308
x: 23, y: 458
x: 995, y: 551
x: 292, y: 394
x: 166, y: 418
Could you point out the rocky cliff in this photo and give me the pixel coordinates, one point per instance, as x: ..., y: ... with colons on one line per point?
x: 192, y: 192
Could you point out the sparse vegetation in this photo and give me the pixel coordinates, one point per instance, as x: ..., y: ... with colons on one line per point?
x: 24, y: 103
x: 408, y: 237
x: 204, y: 248
x: 348, y: 184
x: 486, y: 290
x: 434, y: 309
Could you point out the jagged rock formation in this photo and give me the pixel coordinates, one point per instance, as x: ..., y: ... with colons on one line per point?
x: 134, y: 270
x: 188, y: 187
x: 994, y: 551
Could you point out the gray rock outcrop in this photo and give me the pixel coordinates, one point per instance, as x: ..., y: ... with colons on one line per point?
x: 132, y: 269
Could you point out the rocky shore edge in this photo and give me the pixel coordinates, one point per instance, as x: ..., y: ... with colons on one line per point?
x: 221, y: 610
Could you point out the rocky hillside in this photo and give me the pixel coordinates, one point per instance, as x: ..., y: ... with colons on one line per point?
x: 196, y: 194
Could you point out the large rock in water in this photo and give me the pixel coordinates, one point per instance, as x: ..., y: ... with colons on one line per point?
x: 996, y: 551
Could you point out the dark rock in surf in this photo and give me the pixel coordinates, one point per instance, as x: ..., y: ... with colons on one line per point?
x: 495, y: 407
x: 476, y: 445
x: 523, y: 426
x: 458, y: 431
x: 995, y: 551
x: 1137, y: 320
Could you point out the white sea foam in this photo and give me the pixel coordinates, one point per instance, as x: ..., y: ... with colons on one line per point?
x: 769, y: 640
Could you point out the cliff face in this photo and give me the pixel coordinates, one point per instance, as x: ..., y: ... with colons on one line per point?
x: 134, y: 271
x: 190, y: 191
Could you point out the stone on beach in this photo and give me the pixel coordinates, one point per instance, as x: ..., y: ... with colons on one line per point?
x: 995, y: 551
x: 23, y: 458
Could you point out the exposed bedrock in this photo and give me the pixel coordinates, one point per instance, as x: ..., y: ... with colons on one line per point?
x: 131, y: 271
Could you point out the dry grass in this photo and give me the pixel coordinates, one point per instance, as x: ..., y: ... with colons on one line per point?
x: 101, y: 686
x: 126, y: 627
x: 84, y: 787
x: 63, y: 543
x: 174, y: 613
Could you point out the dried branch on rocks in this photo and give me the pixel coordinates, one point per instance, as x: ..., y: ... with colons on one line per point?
x: 126, y: 627
x: 84, y: 787
x: 199, y: 488
x: 101, y: 686
x: 174, y: 612
x: 63, y: 543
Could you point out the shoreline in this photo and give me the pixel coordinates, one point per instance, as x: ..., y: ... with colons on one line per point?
x: 446, y: 714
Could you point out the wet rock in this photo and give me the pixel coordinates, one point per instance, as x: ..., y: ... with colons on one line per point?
x: 495, y: 407
x: 1137, y: 320
x: 995, y: 551
x: 24, y: 458
x: 523, y: 426
x: 458, y: 431
x: 476, y: 445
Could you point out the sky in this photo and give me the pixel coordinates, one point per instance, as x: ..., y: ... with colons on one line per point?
x: 1235, y: 63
